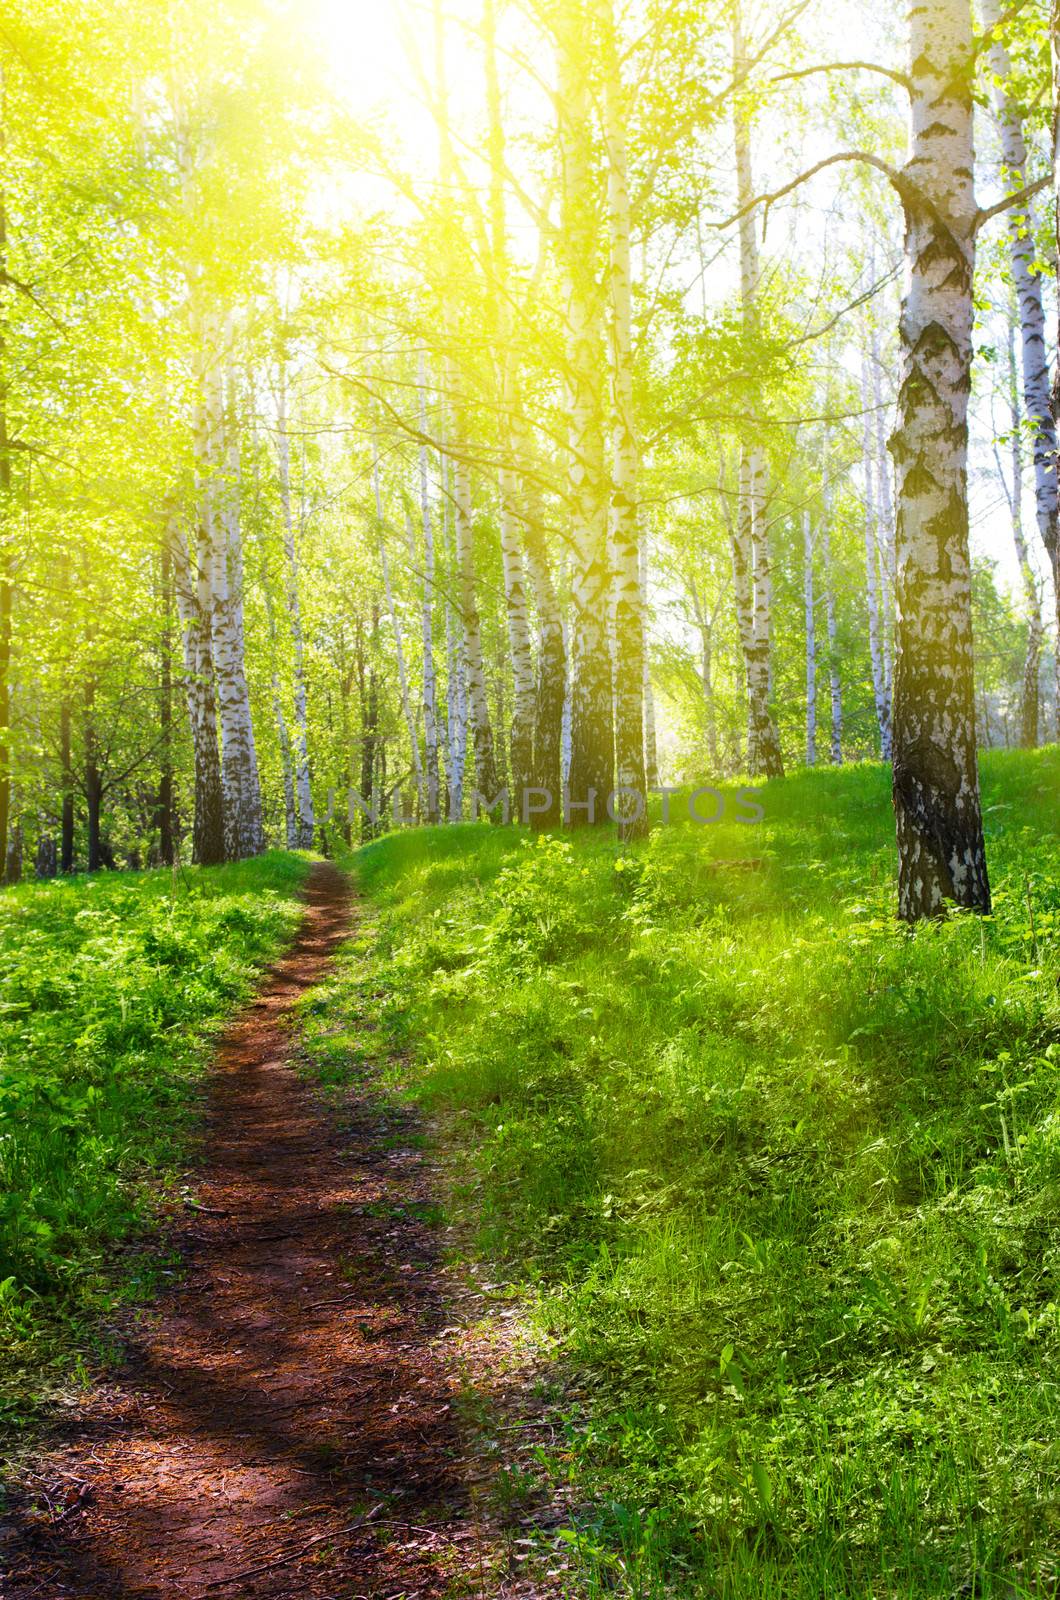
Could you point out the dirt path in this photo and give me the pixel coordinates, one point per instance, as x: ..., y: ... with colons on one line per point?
x: 283, y: 1424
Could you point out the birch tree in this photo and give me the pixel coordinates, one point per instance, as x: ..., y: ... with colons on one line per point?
x: 750, y: 554
x: 208, y: 840
x: 1029, y: 696
x: 1038, y: 399
x: 430, y: 687
x: 399, y: 643
x: 629, y: 663
x: 521, y: 738
x: 651, y: 752
x: 244, y: 833
x: 809, y: 603
x: 591, y: 774
x: 835, y: 688
x: 303, y: 790
x: 877, y: 647
x: 941, y: 852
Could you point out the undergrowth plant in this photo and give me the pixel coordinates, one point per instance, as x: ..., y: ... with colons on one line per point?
x: 111, y: 986
x: 782, y: 1175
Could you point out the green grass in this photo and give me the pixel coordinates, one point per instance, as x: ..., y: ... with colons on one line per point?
x: 111, y: 986
x: 782, y: 1177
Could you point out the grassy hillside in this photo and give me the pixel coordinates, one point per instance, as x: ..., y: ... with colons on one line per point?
x: 783, y: 1176
x: 109, y: 985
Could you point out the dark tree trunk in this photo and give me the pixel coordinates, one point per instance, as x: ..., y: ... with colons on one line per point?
x: 46, y: 864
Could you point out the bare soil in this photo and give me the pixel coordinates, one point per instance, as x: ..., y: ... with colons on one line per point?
x: 283, y: 1422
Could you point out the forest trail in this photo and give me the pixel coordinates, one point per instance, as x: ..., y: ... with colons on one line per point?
x: 282, y: 1424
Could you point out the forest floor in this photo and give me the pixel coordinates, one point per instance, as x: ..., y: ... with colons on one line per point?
x: 283, y: 1423
x: 664, y: 1221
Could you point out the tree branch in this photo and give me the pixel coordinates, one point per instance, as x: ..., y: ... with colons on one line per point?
x: 847, y: 66
x: 26, y: 289
x: 1010, y: 200
x: 896, y: 179
x: 987, y: 37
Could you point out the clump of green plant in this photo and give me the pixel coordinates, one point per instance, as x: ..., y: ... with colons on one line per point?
x: 781, y: 1174
x: 111, y: 985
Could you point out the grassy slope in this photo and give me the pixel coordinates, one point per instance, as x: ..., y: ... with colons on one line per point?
x: 109, y: 985
x: 783, y: 1177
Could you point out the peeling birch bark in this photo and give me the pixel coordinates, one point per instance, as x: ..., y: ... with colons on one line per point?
x: 1032, y: 603
x: 430, y: 684
x: 520, y: 649
x: 872, y: 599
x: 550, y: 679
x: 941, y: 852
x: 651, y: 751
x: 290, y: 809
x: 244, y: 824
x: 303, y: 789
x: 456, y: 687
x: 208, y: 843
x: 885, y: 520
x: 399, y: 643
x: 627, y: 601
x: 1039, y: 396
x: 835, y: 689
x: 481, y: 729
x: 752, y: 583
x: 705, y: 624
x: 811, y: 639
x: 592, y: 734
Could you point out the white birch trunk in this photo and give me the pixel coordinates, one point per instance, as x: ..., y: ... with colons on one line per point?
x: 220, y: 588
x: 520, y: 649
x: 303, y: 789
x: 879, y: 677
x: 208, y: 823
x: 565, y: 725
x: 1039, y: 394
x: 1032, y: 603
x: 239, y: 756
x: 835, y: 688
x: 941, y: 852
x: 519, y: 641
x: 705, y: 625
x: 430, y: 685
x: 630, y: 663
x: 1054, y: 59
x: 480, y: 727
x: 399, y: 643
x: 651, y: 749
x: 456, y: 697
x: 591, y: 770
x: 1028, y: 284
x: 752, y: 581
x: 550, y: 679
x: 811, y: 640
x: 290, y: 810
x: 885, y: 519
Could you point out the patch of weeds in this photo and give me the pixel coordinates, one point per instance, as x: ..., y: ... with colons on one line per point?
x: 113, y: 987
x: 780, y: 1177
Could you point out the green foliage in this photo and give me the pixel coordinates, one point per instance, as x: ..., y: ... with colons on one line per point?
x: 111, y: 987
x: 781, y: 1175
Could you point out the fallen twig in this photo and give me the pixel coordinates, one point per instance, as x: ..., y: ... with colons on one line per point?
x: 293, y: 1555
